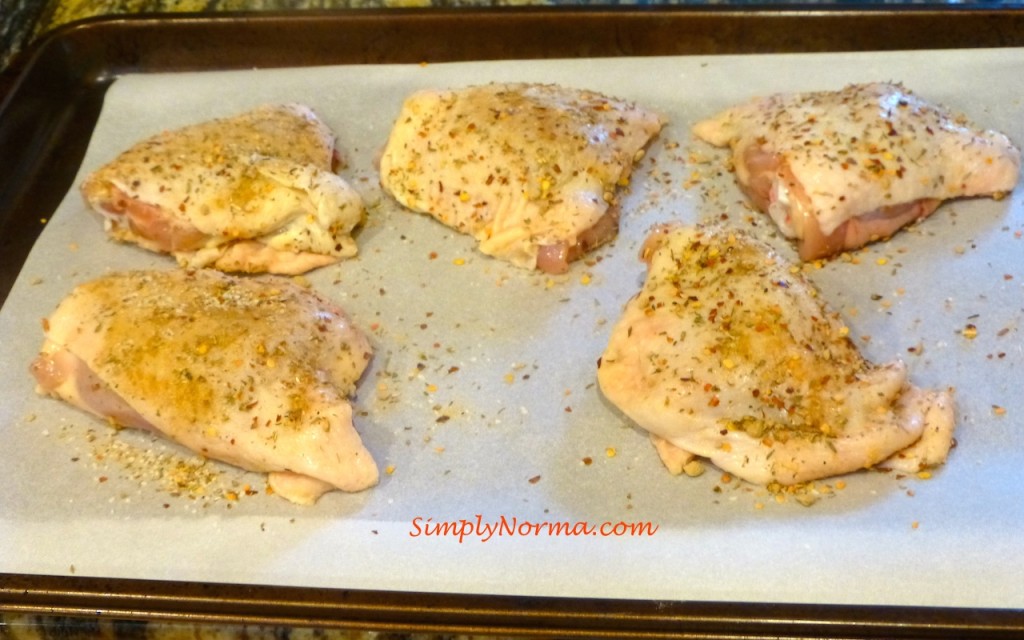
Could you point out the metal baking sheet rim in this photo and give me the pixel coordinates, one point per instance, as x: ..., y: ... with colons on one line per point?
x: 87, y: 596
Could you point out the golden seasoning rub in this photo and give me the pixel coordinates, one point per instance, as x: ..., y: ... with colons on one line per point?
x: 531, y: 171
x: 250, y: 371
x: 727, y: 353
x: 251, y: 193
x: 837, y: 170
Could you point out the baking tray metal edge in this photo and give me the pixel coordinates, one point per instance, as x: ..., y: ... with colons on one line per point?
x: 245, y: 40
x: 54, y: 92
x: 162, y: 601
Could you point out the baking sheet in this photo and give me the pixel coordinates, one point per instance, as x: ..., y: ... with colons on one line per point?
x: 481, y: 397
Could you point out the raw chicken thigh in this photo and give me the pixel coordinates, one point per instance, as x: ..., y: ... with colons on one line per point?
x: 250, y: 371
x: 839, y: 169
x: 529, y: 170
x: 726, y: 354
x: 253, y: 193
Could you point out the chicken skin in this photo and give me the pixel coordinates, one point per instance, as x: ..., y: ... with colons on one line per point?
x: 531, y: 171
x: 254, y: 372
x: 839, y: 169
x: 253, y: 193
x: 728, y: 355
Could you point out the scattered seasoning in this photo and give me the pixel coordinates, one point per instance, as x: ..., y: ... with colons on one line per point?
x: 169, y: 472
x: 694, y: 468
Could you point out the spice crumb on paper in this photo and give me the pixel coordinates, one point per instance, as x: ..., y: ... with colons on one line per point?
x: 157, y: 467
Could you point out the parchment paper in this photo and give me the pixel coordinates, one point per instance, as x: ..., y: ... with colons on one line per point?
x: 481, y: 400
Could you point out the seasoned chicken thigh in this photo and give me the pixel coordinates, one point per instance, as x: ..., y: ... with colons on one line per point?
x: 839, y: 169
x: 529, y: 170
x: 253, y: 193
x: 254, y: 372
x: 726, y: 354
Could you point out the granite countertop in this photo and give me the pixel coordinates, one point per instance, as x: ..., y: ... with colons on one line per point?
x: 32, y: 627
x: 37, y: 627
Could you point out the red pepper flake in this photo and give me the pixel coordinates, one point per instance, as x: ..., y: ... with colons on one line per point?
x: 433, y: 255
x: 534, y: 480
x: 587, y: 461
